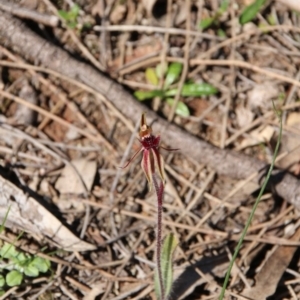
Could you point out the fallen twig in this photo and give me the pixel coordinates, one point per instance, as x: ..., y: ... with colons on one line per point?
x: 25, y: 13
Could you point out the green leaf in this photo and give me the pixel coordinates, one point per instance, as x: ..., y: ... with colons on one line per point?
x: 17, y: 267
x: 64, y: 14
x: 206, y: 23
x: 173, y: 74
x: 144, y: 95
x: 161, y: 70
x: 31, y: 270
x: 87, y: 25
x: 42, y: 264
x: 223, y: 7
x: 221, y: 33
x: 2, y: 281
x: 14, y: 278
x: 181, y: 109
x: 271, y: 19
x: 8, y: 251
x: 21, y: 259
x: 70, y: 16
x: 74, y: 11
x: 251, y: 11
x: 194, y: 90
x: 72, y: 24
x: 151, y: 77
x: 169, y: 245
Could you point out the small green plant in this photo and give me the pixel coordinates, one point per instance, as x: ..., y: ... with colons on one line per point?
x: 250, y: 12
x: 168, y: 91
x: 214, y: 20
x: 168, y: 248
x: 14, y: 264
x: 271, y: 19
x: 70, y: 16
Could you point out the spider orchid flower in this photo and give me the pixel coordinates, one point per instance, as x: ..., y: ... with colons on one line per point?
x: 152, y: 161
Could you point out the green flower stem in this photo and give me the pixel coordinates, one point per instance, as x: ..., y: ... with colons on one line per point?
x: 159, y: 191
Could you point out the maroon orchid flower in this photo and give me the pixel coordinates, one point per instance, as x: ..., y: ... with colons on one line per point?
x: 152, y: 160
x: 152, y: 163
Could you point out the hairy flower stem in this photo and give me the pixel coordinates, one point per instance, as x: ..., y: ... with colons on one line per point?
x: 159, y: 191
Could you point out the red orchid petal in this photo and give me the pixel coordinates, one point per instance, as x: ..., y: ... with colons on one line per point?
x: 159, y: 163
x: 146, y: 166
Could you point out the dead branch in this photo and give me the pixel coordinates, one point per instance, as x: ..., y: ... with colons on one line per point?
x: 25, y: 13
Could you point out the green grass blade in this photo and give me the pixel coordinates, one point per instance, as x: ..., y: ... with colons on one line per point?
x: 251, y: 11
x: 4, y: 221
x: 173, y: 73
x: 238, y: 247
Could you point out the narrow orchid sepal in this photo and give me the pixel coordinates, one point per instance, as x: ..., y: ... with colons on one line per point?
x: 159, y: 164
x: 132, y: 158
x: 169, y: 149
x: 147, y: 166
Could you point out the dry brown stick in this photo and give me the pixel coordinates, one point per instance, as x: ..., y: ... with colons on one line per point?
x: 154, y: 29
x: 14, y: 34
x: 25, y: 13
